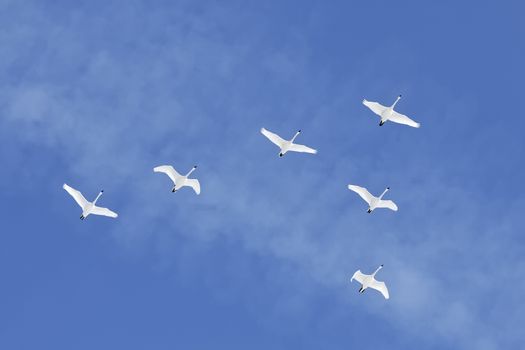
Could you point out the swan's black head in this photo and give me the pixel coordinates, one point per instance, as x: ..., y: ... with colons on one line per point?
x: 388, y: 188
x: 298, y: 130
x: 400, y: 95
x: 194, y: 167
x: 381, y: 265
x: 101, y: 191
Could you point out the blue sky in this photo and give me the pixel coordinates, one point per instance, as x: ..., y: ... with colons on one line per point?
x: 97, y: 93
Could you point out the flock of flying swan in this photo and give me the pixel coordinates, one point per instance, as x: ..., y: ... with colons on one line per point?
x: 179, y: 181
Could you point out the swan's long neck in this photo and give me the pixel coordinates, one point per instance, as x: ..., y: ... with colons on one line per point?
x: 296, y: 134
x: 377, y: 270
x: 397, y: 100
x: 191, y: 171
x: 98, y: 196
x: 385, y: 191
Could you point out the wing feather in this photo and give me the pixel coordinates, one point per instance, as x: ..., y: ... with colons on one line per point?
x: 381, y: 287
x: 375, y: 107
x: 362, y: 192
x: 403, y: 119
x: 194, y: 183
x: 358, y: 276
x: 276, y: 139
x: 77, y: 196
x: 103, y: 211
x: 387, y: 204
x: 168, y: 170
x: 302, y: 148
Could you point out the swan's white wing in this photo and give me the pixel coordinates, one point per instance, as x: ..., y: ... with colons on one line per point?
x: 194, y: 183
x: 103, y: 211
x: 77, y: 196
x: 381, y: 287
x: 403, y: 119
x: 387, y: 204
x: 375, y: 107
x: 276, y: 139
x: 358, y: 276
x: 168, y: 170
x: 302, y: 148
x: 362, y: 192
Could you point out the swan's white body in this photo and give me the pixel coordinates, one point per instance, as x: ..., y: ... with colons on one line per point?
x: 179, y: 180
x: 369, y: 281
x: 388, y: 113
x: 373, y: 202
x: 88, y: 207
x: 285, y: 145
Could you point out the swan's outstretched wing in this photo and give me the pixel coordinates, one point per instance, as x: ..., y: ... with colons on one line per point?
x: 103, y: 211
x: 302, y: 148
x: 375, y: 107
x: 168, y: 170
x: 276, y: 139
x: 403, y: 119
x: 77, y: 196
x: 362, y: 192
x: 194, y: 183
x: 387, y: 204
x: 381, y: 287
x: 358, y: 276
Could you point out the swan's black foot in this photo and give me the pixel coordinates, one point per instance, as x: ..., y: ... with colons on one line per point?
x: 81, y: 217
x: 369, y: 211
x: 381, y: 123
x: 280, y: 154
x: 173, y: 190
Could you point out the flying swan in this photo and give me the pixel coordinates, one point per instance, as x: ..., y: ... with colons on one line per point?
x: 368, y: 281
x: 88, y: 207
x: 388, y: 113
x: 179, y: 180
x: 373, y: 202
x: 285, y: 145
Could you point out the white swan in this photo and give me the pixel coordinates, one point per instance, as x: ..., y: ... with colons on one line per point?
x: 179, y: 180
x: 373, y: 202
x: 368, y: 281
x: 388, y: 113
x: 88, y: 207
x: 285, y: 145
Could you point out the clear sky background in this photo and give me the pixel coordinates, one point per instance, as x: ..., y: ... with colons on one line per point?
x: 97, y: 93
